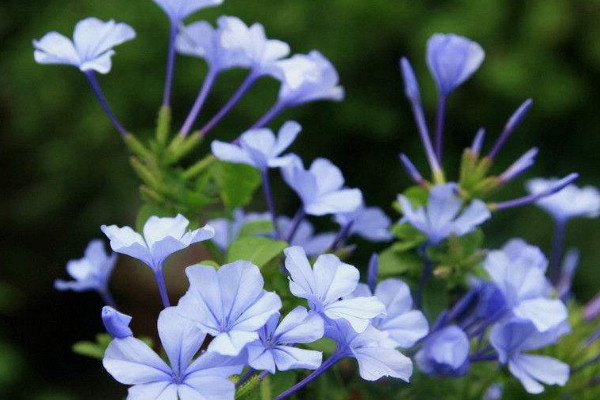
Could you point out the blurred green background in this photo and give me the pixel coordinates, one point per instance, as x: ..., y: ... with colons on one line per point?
x: 66, y: 171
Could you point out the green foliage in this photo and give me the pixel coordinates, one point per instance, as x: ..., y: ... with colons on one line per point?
x: 237, y: 183
x: 96, y: 349
x: 257, y: 250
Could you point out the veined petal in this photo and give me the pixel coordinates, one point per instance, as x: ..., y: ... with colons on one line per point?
x: 300, y: 326
x: 180, y: 338
x: 341, y: 201
x: 164, y: 390
x: 206, y: 388
x: 357, y: 311
x: 287, y: 135
x: 232, y: 342
x: 334, y: 279
x: 215, y: 365
x: 203, y: 303
x: 302, y: 280
x: 54, y: 48
x: 93, y: 37
x: 261, y: 358
x: 126, y: 241
x: 543, y: 313
x: 329, y: 177
x: 405, y: 329
x: 287, y: 358
x: 131, y: 362
x: 378, y: 362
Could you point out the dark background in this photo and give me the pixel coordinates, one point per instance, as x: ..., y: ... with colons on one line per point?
x: 65, y: 171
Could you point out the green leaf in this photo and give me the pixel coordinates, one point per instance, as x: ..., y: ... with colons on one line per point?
x: 210, y: 263
x: 257, y: 250
x: 89, y: 349
x: 237, y: 183
x: 396, y: 261
x: 255, y: 228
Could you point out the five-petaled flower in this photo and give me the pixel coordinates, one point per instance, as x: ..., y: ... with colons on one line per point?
x: 275, y: 348
x: 229, y: 304
x: 306, y: 78
x: 254, y: 49
x: 259, y: 147
x: 161, y: 238
x: 131, y: 362
x: 452, y: 59
x: 516, y: 336
x: 445, y: 353
x: 370, y: 223
x: 518, y: 270
x: 92, y: 272
x: 444, y: 214
x: 91, y: 48
x: 321, y: 187
x: 325, y: 287
x: 570, y: 202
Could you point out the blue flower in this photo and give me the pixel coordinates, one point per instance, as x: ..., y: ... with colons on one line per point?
x: 259, y: 147
x: 376, y: 359
x: 258, y: 53
x: 371, y: 223
x: 452, y: 59
x: 305, y: 237
x: 570, y: 202
x: 200, y: 39
x: 178, y: 10
x: 404, y: 325
x: 444, y: 214
x: 275, y: 349
x: 307, y: 78
x: 227, y: 231
x: 161, y: 238
x: 325, y: 286
x: 321, y: 187
x: 229, y: 304
x: 445, y: 353
x: 131, y: 362
x: 92, y: 272
x: 518, y: 270
x: 516, y: 336
x: 116, y: 323
x: 91, y: 48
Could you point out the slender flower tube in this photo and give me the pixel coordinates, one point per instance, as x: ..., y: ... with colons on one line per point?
x: 568, y: 267
x: 91, y: 77
x: 232, y: 102
x: 439, y: 126
x: 208, y: 84
x: 412, y: 171
x: 532, y: 198
x: 171, y: 54
x: 270, y: 115
x: 513, y: 123
x: 478, y: 141
x: 413, y: 95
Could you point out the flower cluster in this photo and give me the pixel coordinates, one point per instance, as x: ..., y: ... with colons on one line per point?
x: 231, y: 329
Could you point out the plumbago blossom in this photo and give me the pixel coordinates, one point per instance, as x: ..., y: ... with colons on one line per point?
x: 259, y: 148
x: 370, y: 223
x: 444, y: 214
x: 178, y: 10
x: 229, y: 304
x: 92, y: 272
x: 131, y: 362
x: 321, y: 187
x: 445, y: 353
x: 571, y: 202
x: 91, y: 48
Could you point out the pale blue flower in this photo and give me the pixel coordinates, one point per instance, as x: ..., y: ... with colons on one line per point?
x: 445, y: 353
x: 444, y: 214
x: 91, y: 48
x: 570, y: 202
x: 326, y: 285
x: 257, y: 51
x: 200, y: 39
x: 259, y: 148
x: 178, y: 10
x: 305, y: 237
x: 116, y: 323
x: 161, y: 238
x: 229, y: 304
x: 404, y: 325
x: 275, y: 349
x: 307, y: 78
x: 518, y: 270
x: 376, y: 359
x: 92, y: 272
x: 321, y: 187
x: 452, y: 59
x: 517, y: 336
x: 131, y: 362
x: 370, y: 223
x: 227, y: 230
